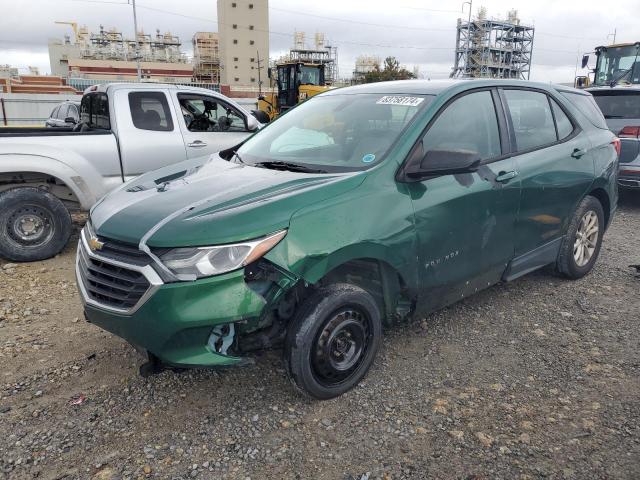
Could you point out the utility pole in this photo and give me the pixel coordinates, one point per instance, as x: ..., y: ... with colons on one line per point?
x: 258, y: 62
x: 135, y: 36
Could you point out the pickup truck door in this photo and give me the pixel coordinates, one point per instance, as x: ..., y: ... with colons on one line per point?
x: 209, y: 124
x: 148, y: 132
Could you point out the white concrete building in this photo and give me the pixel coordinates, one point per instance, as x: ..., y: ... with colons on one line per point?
x: 243, y: 26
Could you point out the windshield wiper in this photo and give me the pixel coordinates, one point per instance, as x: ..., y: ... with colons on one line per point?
x: 613, y: 116
x: 236, y: 155
x: 293, y: 167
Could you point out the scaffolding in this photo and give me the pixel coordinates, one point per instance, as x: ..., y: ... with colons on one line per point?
x: 206, y: 57
x: 320, y: 54
x: 492, y: 48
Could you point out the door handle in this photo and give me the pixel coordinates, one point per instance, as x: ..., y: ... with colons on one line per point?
x: 196, y: 144
x: 504, y: 177
x: 578, y: 152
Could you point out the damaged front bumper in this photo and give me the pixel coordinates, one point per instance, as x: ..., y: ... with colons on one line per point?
x: 180, y: 324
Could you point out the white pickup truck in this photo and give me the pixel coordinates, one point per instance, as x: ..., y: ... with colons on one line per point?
x: 124, y: 131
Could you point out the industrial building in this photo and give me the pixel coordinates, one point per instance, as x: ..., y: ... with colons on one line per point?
x: 243, y: 28
x: 493, y: 48
x: 364, y: 64
x: 319, y: 54
x: 109, y: 55
x: 206, y: 57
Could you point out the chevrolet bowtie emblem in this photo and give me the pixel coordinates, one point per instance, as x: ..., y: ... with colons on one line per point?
x: 95, y: 244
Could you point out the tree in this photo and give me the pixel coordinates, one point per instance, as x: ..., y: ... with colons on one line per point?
x: 390, y: 70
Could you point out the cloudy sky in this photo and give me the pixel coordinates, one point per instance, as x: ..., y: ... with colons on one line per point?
x: 418, y: 32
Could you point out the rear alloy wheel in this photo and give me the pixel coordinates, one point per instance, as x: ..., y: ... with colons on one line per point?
x: 581, y: 245
x: 34, y: 224
x: 332, y: 342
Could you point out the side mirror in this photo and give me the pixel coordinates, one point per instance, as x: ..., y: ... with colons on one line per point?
x: 585, y: 61
x: 252, y: 123
x: 444, y: 162
x: 260, y: 115
x: 70, y: 120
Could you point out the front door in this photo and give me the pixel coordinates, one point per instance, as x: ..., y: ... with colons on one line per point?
x: 209, y: 124
x: 465, y: 223
x: 556, y: 170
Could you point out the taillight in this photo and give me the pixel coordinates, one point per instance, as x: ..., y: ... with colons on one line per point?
x: 616, y: 144
x: 630, y: 132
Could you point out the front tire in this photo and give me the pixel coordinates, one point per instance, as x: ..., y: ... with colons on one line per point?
x: 34, y: 225
x: 581, y: 245
x: 332, y: 341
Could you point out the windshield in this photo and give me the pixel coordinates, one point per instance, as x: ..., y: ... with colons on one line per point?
x: 613, y: 62
x: 334, y: 133
x: 309, y: 75
x: 619, y: 104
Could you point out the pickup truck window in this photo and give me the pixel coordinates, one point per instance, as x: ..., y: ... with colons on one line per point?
x: 150, y: 111
x: 208, y: 114
x: 94, y: 111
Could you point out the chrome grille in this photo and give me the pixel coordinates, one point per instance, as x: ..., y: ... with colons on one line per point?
x: 120, y: 285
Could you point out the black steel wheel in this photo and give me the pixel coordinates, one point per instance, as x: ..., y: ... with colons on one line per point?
x: 333, y: 340
x: 34, y: 224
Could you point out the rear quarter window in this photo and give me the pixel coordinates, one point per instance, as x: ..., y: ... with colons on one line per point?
x: 587, y: 106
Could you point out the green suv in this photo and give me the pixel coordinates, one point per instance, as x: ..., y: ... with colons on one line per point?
x: 356, y: 210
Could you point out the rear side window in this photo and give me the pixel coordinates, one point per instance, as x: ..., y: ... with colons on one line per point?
x: 469, y: 123
x: 563, y: 124
x: 150, y: 111
x: 531, y: 118
x: 588, y: 107
x: 619, y: 104
x: 94, y: 111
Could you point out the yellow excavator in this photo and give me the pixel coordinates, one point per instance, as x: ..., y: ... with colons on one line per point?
x: 293, y: 82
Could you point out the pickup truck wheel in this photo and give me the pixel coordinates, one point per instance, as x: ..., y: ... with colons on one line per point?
x: 332, y: 341
x: 581, y: 245
x: 34, y: 224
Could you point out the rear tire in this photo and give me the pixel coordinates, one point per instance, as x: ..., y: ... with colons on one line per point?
x: 332, y: 341
x: 34, y: 225
x: 581, y: 245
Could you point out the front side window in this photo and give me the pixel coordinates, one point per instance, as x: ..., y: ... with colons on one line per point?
x: 150, y: 111
x: 94, y: 111
x: 531, y: 119
x: 334, y: 133
x: 208, y: 114
x: 469, y: 123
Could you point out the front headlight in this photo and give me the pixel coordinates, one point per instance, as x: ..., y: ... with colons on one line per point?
x: 198, y: 262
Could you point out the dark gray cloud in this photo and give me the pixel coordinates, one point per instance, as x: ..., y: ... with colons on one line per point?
x: 417, y: 32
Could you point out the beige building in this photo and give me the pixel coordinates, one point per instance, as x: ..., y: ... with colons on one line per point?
x: 243, y: 26
x: 206, y: 57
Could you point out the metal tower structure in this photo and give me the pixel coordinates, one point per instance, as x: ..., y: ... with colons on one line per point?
x: 493, y: 48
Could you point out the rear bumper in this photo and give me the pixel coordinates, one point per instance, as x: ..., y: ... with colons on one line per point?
x: 629, y: 175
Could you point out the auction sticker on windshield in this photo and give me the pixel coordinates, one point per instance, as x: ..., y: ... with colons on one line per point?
x: 400, y: 100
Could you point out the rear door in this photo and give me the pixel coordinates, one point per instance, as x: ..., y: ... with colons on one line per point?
x: 148, y: 132
x: 209, y: 124
x: 555, y: 164
x: 465, y: 223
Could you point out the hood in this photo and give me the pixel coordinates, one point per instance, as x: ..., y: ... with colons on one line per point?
x: 210, y: 201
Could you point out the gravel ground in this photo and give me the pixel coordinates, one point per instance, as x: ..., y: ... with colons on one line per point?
x: 531, y: 379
